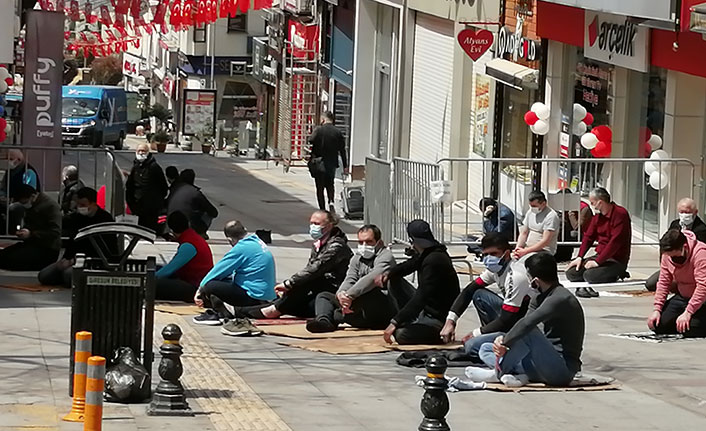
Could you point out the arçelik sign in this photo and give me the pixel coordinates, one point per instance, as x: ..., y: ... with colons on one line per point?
x: 616, y: 40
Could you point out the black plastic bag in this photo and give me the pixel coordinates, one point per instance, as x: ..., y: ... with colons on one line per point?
x: 126, y: 381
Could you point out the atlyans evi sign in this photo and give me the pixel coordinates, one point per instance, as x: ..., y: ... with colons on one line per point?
x: 616, y: 40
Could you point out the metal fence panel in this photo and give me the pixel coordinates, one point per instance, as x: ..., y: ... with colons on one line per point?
x: 412, y: 197
x: 378, y: 195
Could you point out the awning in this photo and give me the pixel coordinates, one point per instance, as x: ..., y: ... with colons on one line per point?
x: 697, y: 21
x: 512, y: 74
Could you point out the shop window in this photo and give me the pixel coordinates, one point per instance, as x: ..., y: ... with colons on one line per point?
x: 238, y: 23
x: 200, y: 33
x: 516, y: 136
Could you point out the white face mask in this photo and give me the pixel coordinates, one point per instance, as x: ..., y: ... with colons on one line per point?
x: 84, y: 211
x: 27, y: 205
x: 141, y: 157
x: 535, y: 210
x: 595, y: 210
x: 366, y: 251
x: 13, y: 163
x: 686, y: 219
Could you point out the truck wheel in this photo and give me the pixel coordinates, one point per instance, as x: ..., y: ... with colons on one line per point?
x: 119, y: 143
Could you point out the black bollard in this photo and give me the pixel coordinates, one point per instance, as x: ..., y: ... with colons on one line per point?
x: 168, y: 398
x: 435, y: 403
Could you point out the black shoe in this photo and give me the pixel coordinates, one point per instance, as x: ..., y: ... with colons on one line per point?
x: 209, y: 317
x: 320, y: 325
x: 586, y: 292
x: 251, y: 312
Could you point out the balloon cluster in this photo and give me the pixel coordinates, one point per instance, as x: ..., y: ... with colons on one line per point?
x: 658, y: 172
x: 649, y: 142
x: 6, y: 82
x: 599, y: 141
x: 582, y: 119
x: 537, y: 118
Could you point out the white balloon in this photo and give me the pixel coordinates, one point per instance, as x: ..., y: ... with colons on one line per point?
x: 579, y: 128
x: 4, y: 73
x: 659, y: 154
x: 541, y: 110
x: 541, y: 127
x: 589, y: 141
x: 3, y: 86
x: 655, y: 142
x: 658, y: 180
x: 8, y: 129
x: 651, y: 167
x: 532, y: 129
x: 579, y: 112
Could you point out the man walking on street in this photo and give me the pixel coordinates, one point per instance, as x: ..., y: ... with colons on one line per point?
x: 146, y: 188
x: 327, y: 143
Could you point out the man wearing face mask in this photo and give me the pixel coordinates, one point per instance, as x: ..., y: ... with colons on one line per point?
x: 612, y: 229
x: 40, y: 233
x: 87, y: 213
x: 359, y: 302
x: 245, y: 276
x: 682, y: 272
x: 539, y: 230
x: 19, y: 172
x: 324, y: 272
x: 146, y: 188
x: 70, y: 185
x: 688, y: 220
x: 497, y: 315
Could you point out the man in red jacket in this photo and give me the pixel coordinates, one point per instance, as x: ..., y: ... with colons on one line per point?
x: 684, y: 263
x: 611, y: 228
x: 179, y: 279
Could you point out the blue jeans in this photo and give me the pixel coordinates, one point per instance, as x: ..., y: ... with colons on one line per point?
x: 533, y: 355
x: 488, y: 306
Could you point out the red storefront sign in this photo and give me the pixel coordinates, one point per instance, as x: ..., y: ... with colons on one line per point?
x: 475, y: 42
x: 304, y: 40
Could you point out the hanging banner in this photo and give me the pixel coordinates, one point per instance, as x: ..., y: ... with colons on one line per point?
x: 44, y: 68
x: 199, y: 112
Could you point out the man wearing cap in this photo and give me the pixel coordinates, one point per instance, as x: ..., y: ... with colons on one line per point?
x: 422, y: 317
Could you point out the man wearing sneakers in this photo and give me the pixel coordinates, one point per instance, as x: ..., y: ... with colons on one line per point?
x: 245, y: 276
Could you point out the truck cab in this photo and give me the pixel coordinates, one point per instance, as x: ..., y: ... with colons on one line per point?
x: 94, y: 115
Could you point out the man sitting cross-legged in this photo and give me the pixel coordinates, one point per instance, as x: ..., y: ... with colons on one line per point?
x: 497, y: 315
x: 359, y: 302
x: 526, y: 354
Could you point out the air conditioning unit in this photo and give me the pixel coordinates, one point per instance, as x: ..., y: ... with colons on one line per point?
x: 300, y: 7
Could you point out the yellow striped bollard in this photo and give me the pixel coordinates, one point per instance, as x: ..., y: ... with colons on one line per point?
x: 82, y: 351
x: 93, y: 420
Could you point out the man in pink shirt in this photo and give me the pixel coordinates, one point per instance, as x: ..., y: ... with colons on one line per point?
x: 684, y: 264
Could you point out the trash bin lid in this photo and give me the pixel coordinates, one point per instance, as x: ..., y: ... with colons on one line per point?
x: 129, y: 229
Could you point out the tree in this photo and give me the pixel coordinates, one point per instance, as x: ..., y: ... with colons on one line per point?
x: 107, y: 70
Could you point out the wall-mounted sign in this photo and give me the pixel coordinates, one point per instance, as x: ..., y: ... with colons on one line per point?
x: 475, y: 42
x: 616, y: 40
x: 659, y: 10
x: 304, y: 39
x: 131, y: 65
x: 199, y: 112
x: 514, y: 44
x: 168, y: 85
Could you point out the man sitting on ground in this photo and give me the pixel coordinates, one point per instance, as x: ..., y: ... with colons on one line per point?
x: 497, y: 315
x: 540, y: 228
x: 688, y: 220
x: 245, y: 276
x: 40, y: 232
x: 359, y: 302
x: 421, y: 318
x: 526, y: 354
x: 325, y: 271
x: 684, y: 264
x: 87, y: 213
x: 179, y: 279
x: 497, y: 218
x: 612, y: 229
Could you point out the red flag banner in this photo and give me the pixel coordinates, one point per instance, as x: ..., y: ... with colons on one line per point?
x: 105, y: 16
x: 74, y: 13
x: 244, y: 5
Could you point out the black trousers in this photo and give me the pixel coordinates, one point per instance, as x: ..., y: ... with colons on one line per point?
x: 422, y: 330
x: 174, y: 289
x: 52, y: 275
x: 607, y: 272
x: 324, y: 182
x: 300, y: 301
x: 651, y: 283
x: 25, y: 256
x: 372, y: 310
x: 227, y: 292
x: 148, y: 217
x: 673, y: 308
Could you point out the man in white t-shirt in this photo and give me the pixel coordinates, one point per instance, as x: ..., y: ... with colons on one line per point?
x: 540, y: 228
x: 497, y: 314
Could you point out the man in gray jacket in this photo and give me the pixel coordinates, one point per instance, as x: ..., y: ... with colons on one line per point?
x: 358, y: 301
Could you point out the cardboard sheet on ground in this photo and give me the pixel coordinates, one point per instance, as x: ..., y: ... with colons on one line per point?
x: 29, y: 287
x: 299, y: 331
x: 280, y: 321
x: 602, y: 286
x: 356, y: 345
x: 584, y: 383
x: 650, y: 337
x: 178, y: 308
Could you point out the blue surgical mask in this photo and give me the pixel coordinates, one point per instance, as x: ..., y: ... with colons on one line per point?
x: 493, y: 263
x: 316, y: 231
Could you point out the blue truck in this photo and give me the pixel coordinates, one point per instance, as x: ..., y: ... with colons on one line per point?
x: 94, y: 115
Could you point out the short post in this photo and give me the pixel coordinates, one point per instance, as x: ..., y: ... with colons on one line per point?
x: 94, y: 394
x: 435, y: 402
x: 82, y: 351
x: 168, y: 398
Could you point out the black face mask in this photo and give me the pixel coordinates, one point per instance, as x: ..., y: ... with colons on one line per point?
x: 679, y: 260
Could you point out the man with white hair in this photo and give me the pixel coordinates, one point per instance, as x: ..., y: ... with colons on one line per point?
x: 687, y: 219
x: 71, y: 184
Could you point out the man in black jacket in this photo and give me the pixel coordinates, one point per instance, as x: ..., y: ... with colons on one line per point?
x: 87, y: 213
x: 327, y: 143
x: 688, y: 220
x: 19, y: 172
x: 71, y: 184
x: 421, y: 318
x: 40, y: 233
x: 146, y: 188
x: 325, y: 271
x: 188, y: 199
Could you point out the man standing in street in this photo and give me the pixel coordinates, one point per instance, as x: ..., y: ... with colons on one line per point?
x: 327, y: 143
x: 146, y: 188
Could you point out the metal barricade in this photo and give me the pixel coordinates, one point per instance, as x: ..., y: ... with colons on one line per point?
x: 97, y: 168
x: 411, y: 197
x: 378, y: 195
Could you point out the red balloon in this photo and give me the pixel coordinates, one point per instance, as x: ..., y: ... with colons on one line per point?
x: 3, y: 124
x: 588, y: 119
x: 531, y: 118
x: 645, y: 134
x: 646, y: 150
x: 603, y: 133
x: 602, y: 150
x: 3, y: 136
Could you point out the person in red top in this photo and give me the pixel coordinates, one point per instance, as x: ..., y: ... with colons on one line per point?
x: 180, y: 278
x: 611, y: 228
x: 684, y: 264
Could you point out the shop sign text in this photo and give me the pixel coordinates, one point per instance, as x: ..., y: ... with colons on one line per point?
x: 514, y: 44
x: 616, y: 40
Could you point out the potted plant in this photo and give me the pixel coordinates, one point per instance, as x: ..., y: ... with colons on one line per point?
x: 161, y: 138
